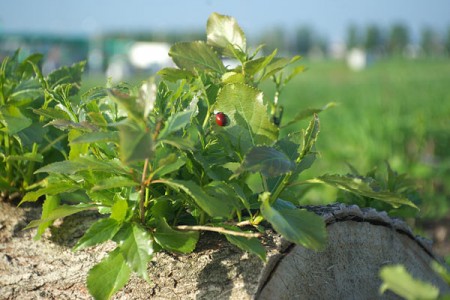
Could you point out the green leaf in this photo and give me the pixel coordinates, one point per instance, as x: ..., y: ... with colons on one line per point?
x: 60, y: 212
x: 137, y: 250
x: 310, y: 136
x: 135, y: 143
x: 50, y: 204
x: 26, y: 92
x: 128, y: 102
x: 224, y: 193
x: 108, y: 276
x: 397, y: 279
x: 114, y: 182
x: 147, y: 96
x: 297, y: 70
x: 175, y: 240
x: 52, y: 113
x: 212, y: 206
x: 252, y: 245
x: 296, y: 225
x: 362, y: 186
x: 176, y: 122
x: 223, y: 32
x: 306, y: 113
x: 169, y: 164
x: 67, y: 75
x: 99, y: 232
x: 194, y: 56
x: 63, y: 167
x: 13, y: 119
x: 51, y: 189
x: 233, y: 77
x: 249, y: 123
x: 266, y: 160
x: 278, y: 64
x: 254, y: 66
x: 119, y: 209
x: 96, y: 137
x: 174, y: 74
x: 76, y: 150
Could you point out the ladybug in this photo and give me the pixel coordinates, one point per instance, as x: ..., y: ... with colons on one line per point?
x: 221, y: 119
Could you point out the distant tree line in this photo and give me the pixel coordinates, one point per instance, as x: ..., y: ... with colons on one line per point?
x: 395, y: 40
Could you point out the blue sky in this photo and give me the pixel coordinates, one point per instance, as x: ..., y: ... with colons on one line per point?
x: 328, y: 17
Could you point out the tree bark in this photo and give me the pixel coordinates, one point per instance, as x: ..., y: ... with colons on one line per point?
x: 361, y: 241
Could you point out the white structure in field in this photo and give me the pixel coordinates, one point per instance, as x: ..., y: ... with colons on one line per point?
x: 357, y: 59
x: 149, y: 55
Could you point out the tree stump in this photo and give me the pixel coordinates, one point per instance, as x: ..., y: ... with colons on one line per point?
x: 361, y: 241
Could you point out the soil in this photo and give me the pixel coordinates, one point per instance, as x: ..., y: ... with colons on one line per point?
x: 48, y: 269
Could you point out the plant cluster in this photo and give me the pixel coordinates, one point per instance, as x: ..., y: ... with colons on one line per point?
x: 196, y: 149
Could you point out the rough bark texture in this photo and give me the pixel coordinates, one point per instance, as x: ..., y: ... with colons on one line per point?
x: 360, y: 242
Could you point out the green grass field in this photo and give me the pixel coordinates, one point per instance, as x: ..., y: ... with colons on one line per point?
x: 395, y: 110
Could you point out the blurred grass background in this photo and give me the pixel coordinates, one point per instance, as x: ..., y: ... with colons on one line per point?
x: 396, y: 110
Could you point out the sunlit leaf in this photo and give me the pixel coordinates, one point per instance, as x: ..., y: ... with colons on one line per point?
x: 306, y: 113
x: 223, y: 32
x: 137, y: 250
x: 114, y: 182
x: 50, y: 204
x: 196, y: 56
x: 174, y: 74
x: 249, y: 123
x: 360, y: 186
x: 13, y: 119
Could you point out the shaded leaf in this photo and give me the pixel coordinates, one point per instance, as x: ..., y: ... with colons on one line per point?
x: 266, y: 160
x: 60, y: 212
x: 252, y: 245
x: 296, y: 225
x: 176, y: 122
x: 135, y: 143
x: 175, y: 240
x: 99, y: 232
x: 108, y: 276
x: 212, y: 206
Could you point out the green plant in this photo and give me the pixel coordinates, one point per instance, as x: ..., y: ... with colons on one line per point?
x: 154, y: 162
x: 25, y: 142
x: 397, y: 279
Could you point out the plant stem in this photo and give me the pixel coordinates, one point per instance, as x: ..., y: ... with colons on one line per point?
x: 219, y: 230
x: 142, y: 191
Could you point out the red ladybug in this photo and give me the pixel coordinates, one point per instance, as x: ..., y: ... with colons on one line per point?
x: 221, y: 119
